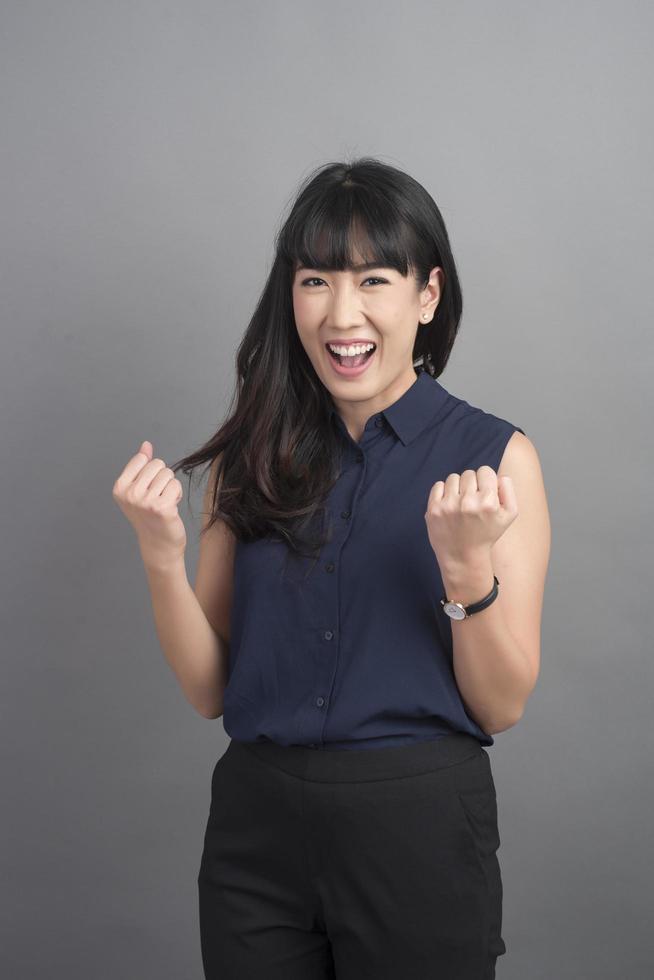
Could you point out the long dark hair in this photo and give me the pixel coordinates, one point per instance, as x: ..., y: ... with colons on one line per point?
x: 277, y: 455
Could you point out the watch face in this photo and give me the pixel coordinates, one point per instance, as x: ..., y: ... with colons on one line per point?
x: 454, y: 611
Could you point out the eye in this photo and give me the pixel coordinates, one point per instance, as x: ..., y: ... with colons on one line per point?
x: 305, y: 282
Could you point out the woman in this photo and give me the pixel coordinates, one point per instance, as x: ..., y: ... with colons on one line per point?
x: 366, y: 611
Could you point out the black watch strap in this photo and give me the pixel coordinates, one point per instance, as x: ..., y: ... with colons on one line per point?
x: 451, y: 605
x: 486, y: 601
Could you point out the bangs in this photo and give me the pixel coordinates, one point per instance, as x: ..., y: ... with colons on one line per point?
x: 351, y: 226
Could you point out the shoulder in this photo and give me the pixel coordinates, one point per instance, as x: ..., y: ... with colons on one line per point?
x: 521, y: 462
x: 489, y: 439
x: 520, y: 453
x: 482, y: 437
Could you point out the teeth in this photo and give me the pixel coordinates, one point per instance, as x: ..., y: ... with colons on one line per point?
x: 352, y: 350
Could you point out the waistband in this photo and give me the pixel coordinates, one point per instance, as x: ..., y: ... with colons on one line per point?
x: 363, y: 765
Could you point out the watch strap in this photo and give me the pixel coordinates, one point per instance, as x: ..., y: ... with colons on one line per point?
x: 474, y: 607
x: 486, y: 601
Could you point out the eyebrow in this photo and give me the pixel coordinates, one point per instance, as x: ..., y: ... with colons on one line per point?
x: 364, y: 266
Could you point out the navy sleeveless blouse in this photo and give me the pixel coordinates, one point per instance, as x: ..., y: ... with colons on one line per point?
x: 354, y: 651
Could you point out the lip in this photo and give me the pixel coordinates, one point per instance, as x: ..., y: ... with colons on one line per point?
x: 351, y: 372
x: 348, y: 343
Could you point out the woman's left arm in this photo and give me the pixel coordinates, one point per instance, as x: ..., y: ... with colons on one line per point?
x: 497, y: 650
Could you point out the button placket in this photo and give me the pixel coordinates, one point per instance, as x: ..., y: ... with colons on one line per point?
x: 325, y: 678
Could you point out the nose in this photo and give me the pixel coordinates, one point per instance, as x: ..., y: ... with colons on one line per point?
x: 344, y: 311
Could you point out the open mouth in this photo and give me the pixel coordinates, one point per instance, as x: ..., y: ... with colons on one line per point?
x: 355, y: 361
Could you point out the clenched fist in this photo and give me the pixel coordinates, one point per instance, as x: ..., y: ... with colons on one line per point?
x: 148, y: 492
x: 467, y: 513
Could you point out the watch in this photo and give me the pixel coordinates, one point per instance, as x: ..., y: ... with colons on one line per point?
x: 456, y: 610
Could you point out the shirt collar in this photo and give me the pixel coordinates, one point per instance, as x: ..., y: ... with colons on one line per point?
x: 413, y: 410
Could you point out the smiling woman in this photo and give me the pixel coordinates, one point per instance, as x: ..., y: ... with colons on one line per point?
x: 364, y: 506
x: 363, y: 257
x: 383, y: 309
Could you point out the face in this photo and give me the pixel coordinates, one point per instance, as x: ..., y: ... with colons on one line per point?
x: 369, y: 305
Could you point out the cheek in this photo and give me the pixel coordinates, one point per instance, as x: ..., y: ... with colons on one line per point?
x: 391, y: 317
x: 304, y: 330
x: 305, y: 334
x: 305, y: 322
x: 301, y: 306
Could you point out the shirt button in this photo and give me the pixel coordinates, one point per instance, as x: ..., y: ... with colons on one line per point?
x: 359, y: 457
x: 329, y: 566
x: 320, y: 702
x: 328, y: 634
x: 345, y: 514
x: 379, y: 422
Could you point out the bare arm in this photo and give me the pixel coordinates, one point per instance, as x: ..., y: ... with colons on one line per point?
x: 196, y: 653
x: 497, y: 651
x: 193, y: 624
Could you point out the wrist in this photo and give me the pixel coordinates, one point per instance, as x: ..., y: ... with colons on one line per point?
x: 468, y: 581
x: 172, y: 570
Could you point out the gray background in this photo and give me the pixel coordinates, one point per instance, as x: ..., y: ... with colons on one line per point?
x: 148, y: 153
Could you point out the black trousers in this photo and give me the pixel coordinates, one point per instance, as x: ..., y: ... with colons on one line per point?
x: 365, y: 864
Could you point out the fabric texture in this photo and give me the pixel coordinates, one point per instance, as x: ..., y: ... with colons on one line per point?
x: 364, y: 865
x: 354, y: 651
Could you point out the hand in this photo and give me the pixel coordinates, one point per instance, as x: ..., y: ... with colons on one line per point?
x: 148, y: 492
x: 466, y: 514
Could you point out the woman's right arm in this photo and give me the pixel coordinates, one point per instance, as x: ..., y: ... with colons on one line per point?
x: 196, y: 653
x: 192, y: 625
